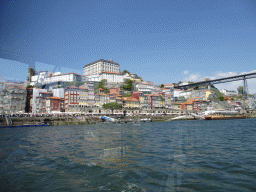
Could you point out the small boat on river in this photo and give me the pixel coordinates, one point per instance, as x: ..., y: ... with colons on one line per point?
x: 220, y: 115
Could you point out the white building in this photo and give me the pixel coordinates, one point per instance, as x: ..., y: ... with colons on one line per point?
x: 49, y: 77
x: 176, y: 93
x: 103, y: 69
x: 185, y: 94
x: 58, y: 92
x: 94, y: 77
x: 34, y: 98
x: 40, y: 77
x: 146, y: 87
x: 112, y: 77
x: 228, y: 93
x: 109, y: 70
x: 101, y: 66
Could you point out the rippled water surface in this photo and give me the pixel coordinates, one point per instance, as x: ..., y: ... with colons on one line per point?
x: 158, y: 156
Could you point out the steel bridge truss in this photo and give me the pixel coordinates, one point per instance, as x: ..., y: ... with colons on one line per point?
x: 221, y: 80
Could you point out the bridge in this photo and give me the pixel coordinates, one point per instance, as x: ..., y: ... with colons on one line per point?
x: 221, y: 80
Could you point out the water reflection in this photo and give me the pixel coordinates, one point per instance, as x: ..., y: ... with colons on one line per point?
x: 114, y: 152
x: 165, y: 156
x: 177, y: 160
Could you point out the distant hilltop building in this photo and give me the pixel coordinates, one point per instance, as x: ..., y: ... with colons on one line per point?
x: 103, y: 69
x: 108, y: 70
x: 100, y: 66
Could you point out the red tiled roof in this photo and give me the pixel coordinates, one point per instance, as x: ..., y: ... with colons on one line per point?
x: 53, y: 97
x: 82, y: 87
x: 111, y: 72
x: 101, y: 94
x: 170, y: 84
x: 130, y: 99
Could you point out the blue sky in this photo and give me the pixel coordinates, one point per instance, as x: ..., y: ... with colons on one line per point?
x: 161, y: 40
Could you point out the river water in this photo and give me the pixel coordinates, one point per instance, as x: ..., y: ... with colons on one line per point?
x: 158, y: 156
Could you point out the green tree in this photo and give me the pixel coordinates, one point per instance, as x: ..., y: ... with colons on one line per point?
x: 112, y: 106
x: 182, y: 98
x: 30, y: 86
x: 240, y: 90
x: 125, y: 71
x: 103, y: 81
x: 102, y: 86
x: 128, y: 85
x: 217, y: 93
x: 162, y: 85
x: 78, y: 83
x: 126, y: 95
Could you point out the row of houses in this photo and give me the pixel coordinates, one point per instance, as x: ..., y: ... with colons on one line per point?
x: 193, y: 104
x: 15, y: 98
x: 84, y: 99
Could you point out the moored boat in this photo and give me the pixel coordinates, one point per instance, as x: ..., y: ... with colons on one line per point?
x: 220, y: 115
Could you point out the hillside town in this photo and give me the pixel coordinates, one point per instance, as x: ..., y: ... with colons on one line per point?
x: 102, y: 82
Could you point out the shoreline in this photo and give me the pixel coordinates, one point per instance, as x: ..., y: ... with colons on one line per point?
x: 53, y: 121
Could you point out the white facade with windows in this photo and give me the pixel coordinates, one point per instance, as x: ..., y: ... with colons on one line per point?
x: 36, y: 93
x: 58, y: 92
x: 228, y: 93
x: 146, y: 87
x: 94, y: 77
x: 40, y: 77
x: 101, y: 66
x: 112, y: 77
x: 49, y: 77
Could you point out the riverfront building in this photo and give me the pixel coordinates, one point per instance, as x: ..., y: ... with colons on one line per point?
x: 12, y: 97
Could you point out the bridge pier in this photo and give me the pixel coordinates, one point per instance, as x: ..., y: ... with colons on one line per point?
x: 245, y: 91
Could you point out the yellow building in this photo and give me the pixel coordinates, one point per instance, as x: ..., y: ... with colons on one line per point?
x: 112, y: 99
x: 137, y: 80
x: 130, y: 102
x: 207, y: 93
x: 161, y: 101
x: 83, y: 96
x: 177, y: 106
